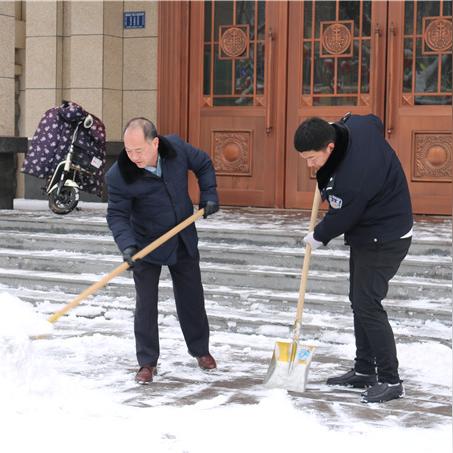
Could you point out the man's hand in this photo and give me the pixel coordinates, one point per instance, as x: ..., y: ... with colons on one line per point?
x: 128, y: 253
x: 210, y: 207
x: 310, y: 239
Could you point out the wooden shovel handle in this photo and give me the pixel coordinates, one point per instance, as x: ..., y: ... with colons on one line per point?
x: 305, y: 266
x: 121, y: 268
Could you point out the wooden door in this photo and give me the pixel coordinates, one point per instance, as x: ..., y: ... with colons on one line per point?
x: 237, y: 70
x: 337, y: 50
x: 419, y: 115
x: 389, y: 58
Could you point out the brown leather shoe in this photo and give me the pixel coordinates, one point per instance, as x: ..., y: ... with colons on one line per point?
x: 206, y: 362
x: 145, y: 374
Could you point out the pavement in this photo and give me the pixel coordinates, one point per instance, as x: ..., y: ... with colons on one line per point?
x: 95, y: 340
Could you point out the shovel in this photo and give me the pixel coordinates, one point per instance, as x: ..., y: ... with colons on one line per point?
x: 121, y: 268
x: 291, y: 360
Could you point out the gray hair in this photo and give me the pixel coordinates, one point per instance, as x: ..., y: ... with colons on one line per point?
x: 147, y: 126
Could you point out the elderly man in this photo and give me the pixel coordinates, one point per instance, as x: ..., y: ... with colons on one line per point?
x: 147, y: 196
x: 360, y: 176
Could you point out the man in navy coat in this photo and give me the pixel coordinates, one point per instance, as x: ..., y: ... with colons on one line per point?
x: 361, y: 177
x: 147, y: 196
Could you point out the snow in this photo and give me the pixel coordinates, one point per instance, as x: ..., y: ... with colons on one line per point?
x: 429, y: 358
x: 73, y: 388
x: 26, y: 204
x: 18, y: 319
x: 50, y: 403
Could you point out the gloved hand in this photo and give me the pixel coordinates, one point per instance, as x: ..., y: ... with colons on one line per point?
x: 310, y: 239
x: 128, y: 253
x: 210, y: 207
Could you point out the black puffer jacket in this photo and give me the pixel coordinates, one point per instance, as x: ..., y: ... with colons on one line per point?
x: 142, y: 206
x: 365, y: 186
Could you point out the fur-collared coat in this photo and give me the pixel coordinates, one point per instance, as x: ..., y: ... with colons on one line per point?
x: 143, y: 206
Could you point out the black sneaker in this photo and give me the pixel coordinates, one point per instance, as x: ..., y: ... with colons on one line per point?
x: 382, y: 392
x: 353, y: 379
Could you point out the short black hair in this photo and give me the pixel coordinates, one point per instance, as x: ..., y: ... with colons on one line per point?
x: 147, y: 126
x: 314, y: 134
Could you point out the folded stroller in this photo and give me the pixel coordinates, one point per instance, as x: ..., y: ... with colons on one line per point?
x: 68, y: 152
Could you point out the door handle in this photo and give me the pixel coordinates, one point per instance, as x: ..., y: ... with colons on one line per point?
x: 269, y: 45
x: 390, y: 99
x: 377, y: 34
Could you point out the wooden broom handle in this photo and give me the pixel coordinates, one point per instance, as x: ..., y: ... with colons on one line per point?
x: 306, y: 264
x: 121, y: 268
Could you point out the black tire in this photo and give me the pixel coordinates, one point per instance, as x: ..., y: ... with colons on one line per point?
x: 65, y: 202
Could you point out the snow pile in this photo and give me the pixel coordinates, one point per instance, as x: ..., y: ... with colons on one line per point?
x: 428, y: 360
x: 18, y: 322
x: 18, y: 319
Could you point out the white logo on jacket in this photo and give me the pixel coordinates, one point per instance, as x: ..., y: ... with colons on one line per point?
x: 335, y: 202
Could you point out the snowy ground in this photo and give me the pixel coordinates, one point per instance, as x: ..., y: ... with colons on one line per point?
x: 74, y: 389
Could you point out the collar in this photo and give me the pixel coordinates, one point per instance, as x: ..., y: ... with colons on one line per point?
x: 130, y: 172
x: 339, y: 152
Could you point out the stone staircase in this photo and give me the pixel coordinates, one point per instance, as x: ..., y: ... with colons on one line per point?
x: 251, y: 264
x: 251, y: 260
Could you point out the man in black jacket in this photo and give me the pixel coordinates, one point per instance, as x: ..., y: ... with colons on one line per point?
x: 147, y: 196
x: 360, y: 176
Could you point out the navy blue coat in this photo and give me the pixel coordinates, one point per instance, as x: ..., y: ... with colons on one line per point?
x: 365, y: 186
x: 143, y: 206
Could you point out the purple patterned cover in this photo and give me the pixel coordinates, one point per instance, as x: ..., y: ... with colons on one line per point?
x: 51, y: 141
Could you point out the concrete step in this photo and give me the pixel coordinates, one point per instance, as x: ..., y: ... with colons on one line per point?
x: 121, y: 294
x: 427, y: 239
x: 232, y: 296
x: 324, y: 259
x: 258, y: 318
x: 249, y: 276
x: 429, y: 266
x: 421, y: 244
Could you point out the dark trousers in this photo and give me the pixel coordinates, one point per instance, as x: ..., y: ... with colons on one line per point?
x: 371, y: 268
x: 189, y: 298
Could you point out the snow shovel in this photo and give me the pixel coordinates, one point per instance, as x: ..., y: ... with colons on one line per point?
x: 121, y: 268
x: 291, y: 360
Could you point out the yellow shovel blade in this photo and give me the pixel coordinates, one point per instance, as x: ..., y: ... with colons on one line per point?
x: 289, y: 366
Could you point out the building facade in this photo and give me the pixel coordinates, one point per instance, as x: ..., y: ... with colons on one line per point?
x: 74, y: 50
x: 237, y: 77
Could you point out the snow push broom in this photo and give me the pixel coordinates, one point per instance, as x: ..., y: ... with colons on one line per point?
x: 121, y: 268
x: 290, y: 362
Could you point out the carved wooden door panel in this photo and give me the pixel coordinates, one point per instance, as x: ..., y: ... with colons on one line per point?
x: 337, y: 49
x: 393, y: 59
x: 419, y: 115
x: 234, y: 115
x: 259, y: 68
